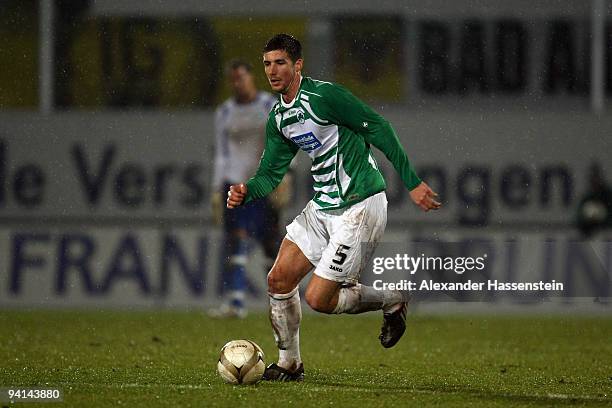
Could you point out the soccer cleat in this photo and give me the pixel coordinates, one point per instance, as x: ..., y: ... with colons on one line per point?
x: 276, y: 373
x: 394, y: 325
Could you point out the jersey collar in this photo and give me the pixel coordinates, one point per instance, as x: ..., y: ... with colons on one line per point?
x: 290, y: 104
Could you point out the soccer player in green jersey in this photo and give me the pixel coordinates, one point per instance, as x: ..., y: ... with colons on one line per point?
x: 337, y: 232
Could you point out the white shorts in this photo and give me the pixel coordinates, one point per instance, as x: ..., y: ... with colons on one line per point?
x: 339, y: 243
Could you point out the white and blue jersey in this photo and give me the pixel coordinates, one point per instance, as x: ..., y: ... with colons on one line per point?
x: 240, y: 134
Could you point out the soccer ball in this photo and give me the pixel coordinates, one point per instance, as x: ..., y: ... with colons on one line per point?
x: 241, y: 362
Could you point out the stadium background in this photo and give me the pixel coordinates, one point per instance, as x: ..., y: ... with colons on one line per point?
x: 106, y: 137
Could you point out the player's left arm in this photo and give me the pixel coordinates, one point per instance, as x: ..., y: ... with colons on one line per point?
x: 346, y: 109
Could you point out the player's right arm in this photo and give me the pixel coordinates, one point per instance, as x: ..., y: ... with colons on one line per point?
x: 274, y: 163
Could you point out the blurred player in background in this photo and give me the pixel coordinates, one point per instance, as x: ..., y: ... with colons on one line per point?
x: 240, y: 131
x: 338, y: 230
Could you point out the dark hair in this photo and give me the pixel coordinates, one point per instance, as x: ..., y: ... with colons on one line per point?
x: 285, y: 42
x: 238, y: 63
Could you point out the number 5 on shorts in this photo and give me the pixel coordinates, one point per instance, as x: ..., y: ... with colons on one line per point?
x: 340, y: 256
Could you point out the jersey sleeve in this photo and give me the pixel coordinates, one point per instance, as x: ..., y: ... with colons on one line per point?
x: 275, y: 160
x: 343, y: 108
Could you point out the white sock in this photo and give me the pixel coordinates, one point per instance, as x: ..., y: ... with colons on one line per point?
x: 285, y: 316
x: 361, y: 298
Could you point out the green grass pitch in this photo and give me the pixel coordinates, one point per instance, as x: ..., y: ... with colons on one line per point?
x: 168, y: 358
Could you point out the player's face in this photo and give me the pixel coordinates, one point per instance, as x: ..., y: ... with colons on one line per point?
x: 242, y: 82
x: 280, y: 70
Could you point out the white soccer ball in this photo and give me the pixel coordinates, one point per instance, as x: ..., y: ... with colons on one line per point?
x: 241, y: 362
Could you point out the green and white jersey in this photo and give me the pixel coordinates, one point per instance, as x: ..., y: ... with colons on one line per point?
x: 336, y: 130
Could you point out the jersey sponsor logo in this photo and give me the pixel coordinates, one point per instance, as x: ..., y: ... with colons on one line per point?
x: 307, y: 142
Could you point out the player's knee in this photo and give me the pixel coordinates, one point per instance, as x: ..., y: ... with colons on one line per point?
x: 277, y: 281
x: 317, y: 303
